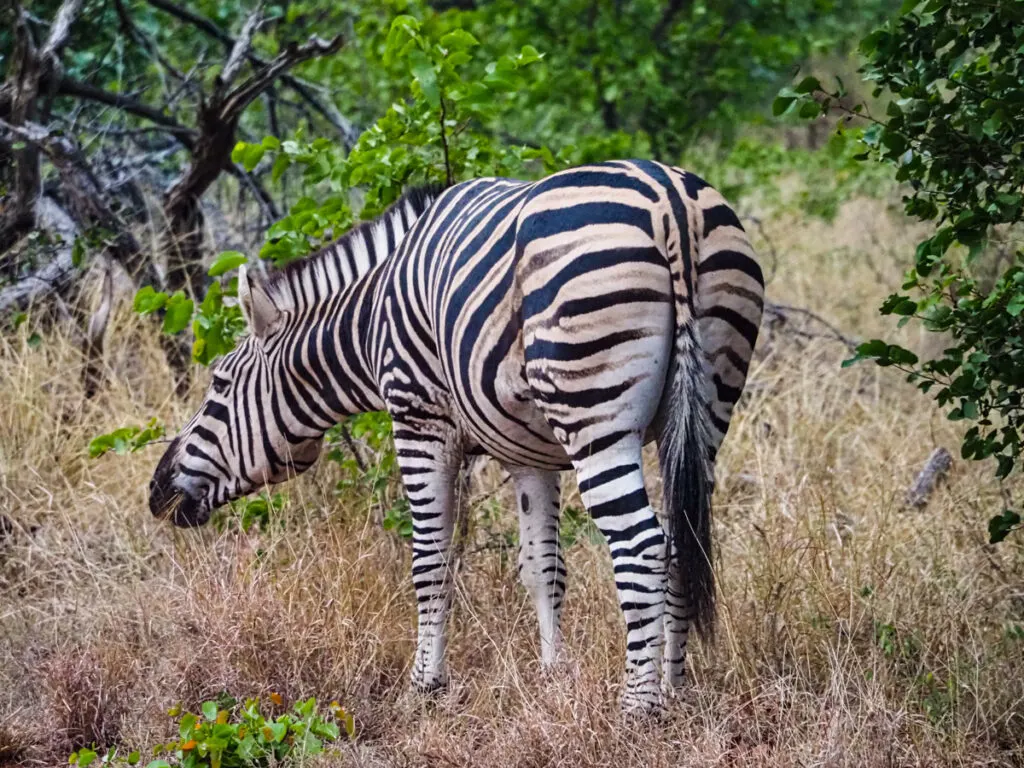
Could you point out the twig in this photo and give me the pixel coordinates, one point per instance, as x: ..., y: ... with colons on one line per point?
x: 444, y: 146
x: 303, y: 89
x: 780, y: 310
x: 347, y: 437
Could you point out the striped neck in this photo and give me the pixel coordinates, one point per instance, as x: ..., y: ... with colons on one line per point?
x: 304, y: 284
x: 324, y: 299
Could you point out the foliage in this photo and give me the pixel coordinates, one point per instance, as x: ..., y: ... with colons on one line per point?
x: 264, y: 512
x: 226, y: 735
x: 376, y: 480
x: 126, y: 439
x: 576, y: 525
x: 953, y: 133
x: 661, y: 73
x: 755, y: 169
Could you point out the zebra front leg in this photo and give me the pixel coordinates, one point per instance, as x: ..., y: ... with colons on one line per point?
x: 541, y: 568
x: 429, y: 469
x: 612, y: 486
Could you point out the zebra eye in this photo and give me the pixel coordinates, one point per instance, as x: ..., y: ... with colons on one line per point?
x: 220, y: 386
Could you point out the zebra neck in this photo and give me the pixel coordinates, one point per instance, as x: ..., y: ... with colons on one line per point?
x: 327, y: 354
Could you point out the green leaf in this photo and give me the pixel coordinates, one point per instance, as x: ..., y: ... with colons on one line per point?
x: 808, y: 85
x: 227, y: 261
x: 528, y: 55
x: 459, y: 40
x: 1000, y: 526
x: 782, y: 104
x: 186, y: 724
x: 251, y: 156
x: 423, y: 71
x: 78, y: 252
x: 1015, y: 305
x: 148, y: 300
x: 210, y: 710
x: 809, y: 110
x: 178, y: 313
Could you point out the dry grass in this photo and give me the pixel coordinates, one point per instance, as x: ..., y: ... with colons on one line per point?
x: 853, y: 632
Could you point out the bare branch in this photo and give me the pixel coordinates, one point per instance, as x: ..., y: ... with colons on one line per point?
x: 71, y: 87
x: 56, y: 276
x: 293, y: 54
x: 938, y: 464
x: 781, y: 310
x: 240, y: 50
x: 305, y: 90
x: 92, y: 371
x: 61, y: 29
x: 86, y: 196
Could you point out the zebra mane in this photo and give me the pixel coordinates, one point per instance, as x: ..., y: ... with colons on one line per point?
x: 352, y: 255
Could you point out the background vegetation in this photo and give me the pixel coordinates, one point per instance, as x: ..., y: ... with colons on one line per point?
x: 150, y: 147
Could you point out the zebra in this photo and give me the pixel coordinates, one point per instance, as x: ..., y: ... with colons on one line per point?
x: 557, y: 324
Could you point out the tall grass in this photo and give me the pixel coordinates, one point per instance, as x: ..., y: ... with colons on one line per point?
x: 854, y: 631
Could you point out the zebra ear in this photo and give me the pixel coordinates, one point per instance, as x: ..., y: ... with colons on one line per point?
x: 258, y: 308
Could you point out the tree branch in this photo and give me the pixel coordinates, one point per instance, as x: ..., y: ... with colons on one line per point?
x: 661, y: 29
x: 71, y: 87
x: 241, y: 49
x: 344, y: 127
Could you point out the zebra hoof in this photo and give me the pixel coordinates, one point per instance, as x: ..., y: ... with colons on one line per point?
x: 642, y: 705
x: 430, y: 687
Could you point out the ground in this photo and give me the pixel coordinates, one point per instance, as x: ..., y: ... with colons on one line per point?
x: 852, y: 630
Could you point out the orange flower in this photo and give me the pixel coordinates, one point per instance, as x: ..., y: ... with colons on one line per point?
x: 190, y: 744
x: 276, y: 698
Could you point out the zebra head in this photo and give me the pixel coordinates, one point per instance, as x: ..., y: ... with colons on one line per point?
x: 241, y: 438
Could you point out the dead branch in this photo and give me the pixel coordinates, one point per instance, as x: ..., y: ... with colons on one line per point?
x: 56, y: 276
x: 70, y: 87
x: 779, y: 315
x: 28, y: 69
x: 92, y: 371
x: 86, y: 196
x: 218, y: 123
x: 934, y: 469
x: 304, y: 90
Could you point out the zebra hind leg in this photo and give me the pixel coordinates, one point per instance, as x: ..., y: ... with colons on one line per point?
x: 612, y: 486
x: 678, y: 616
x: 541, y: 568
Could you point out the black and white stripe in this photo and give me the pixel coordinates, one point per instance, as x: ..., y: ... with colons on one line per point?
x: 553, y: 325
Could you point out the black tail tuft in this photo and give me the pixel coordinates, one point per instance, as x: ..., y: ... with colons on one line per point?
x: 687, y: 480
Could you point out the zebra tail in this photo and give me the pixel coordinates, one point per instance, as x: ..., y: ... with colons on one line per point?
x: 687, y: 472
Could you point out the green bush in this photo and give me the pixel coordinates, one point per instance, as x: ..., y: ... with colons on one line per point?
x: 226, y: 735
x: 953, y: 132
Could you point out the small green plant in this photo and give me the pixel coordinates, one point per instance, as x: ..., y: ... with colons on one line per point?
x: 225, y: 735
x: 126, y: 439
x: 576, y: 526
x: 262, y: 512
x: 398, y: 518
x: 377, y: 479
